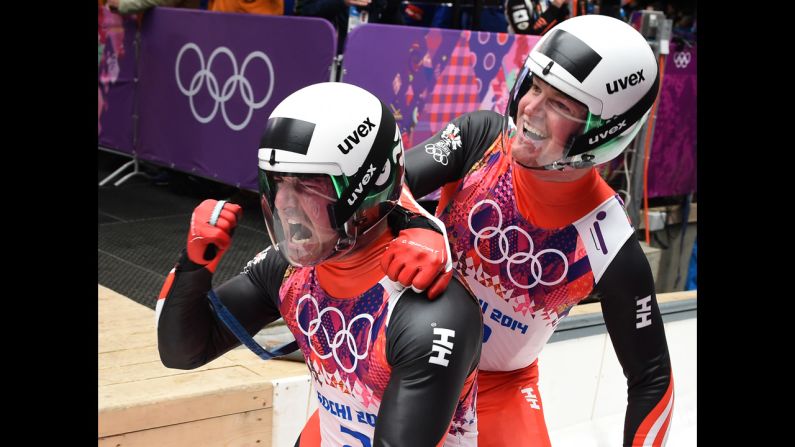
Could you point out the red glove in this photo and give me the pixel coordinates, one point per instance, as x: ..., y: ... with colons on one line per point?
x: 211, y: 228
x: 418, y: 257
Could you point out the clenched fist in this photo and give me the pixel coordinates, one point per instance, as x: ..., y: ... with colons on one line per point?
x: 210, y: 234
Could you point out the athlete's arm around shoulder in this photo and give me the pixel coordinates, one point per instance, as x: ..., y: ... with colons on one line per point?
x: 190, y: 334
x: 432, y: 347
x: 633, y: 320
x: 449, y: 154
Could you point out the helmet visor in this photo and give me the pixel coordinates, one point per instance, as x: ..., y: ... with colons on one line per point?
x: 298, y: 211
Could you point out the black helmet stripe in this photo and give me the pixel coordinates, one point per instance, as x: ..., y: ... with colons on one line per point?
x: 287, y: 134
x: 357, y: 189
x: 571, y: 53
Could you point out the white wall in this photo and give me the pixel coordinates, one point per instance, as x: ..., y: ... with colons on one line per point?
x: 584, y: 390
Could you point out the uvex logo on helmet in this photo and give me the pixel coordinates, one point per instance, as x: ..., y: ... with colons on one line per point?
x: 360, y: 187
x: 626, y: 81
x: 602, y: 135
x: 353, y: 139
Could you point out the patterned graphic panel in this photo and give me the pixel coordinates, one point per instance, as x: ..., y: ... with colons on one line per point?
x: 428, y: 76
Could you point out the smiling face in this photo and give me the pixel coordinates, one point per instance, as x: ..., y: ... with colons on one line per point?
x: 300, y: 217
x: 546, y: 119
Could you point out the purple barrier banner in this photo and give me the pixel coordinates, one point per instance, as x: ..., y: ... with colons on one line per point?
x: 428, y: 76
x: 672, y: 162
x: 116, y: 86
x: 209, y: 81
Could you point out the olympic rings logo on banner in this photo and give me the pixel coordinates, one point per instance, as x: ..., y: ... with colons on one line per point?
x: 230, y: 86
x: 536, y: 269
x: 682, y: 59
x: 344, y: 335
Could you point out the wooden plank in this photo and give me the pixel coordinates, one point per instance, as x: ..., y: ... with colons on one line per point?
x: 137, y: 394
x: 582, y: 309
x: 123, y: 308
x: 149, y: 370
x: 162, y: 401
x: 127, y: 340
x: 240, y: 356
x: 138, y: 323
x: 124, y: 356
x: 677, y: 296
x: 119, y: 308
x: 661, y: 298
x: 180, y: 386
x: 121, y: 318
x: 123, y: 330
x: 251, y: 428
x: 272, y: 369
x: 120, y: 305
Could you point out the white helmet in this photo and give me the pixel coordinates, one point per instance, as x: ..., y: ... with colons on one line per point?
x: 606, y: 65
x: 338, y: 147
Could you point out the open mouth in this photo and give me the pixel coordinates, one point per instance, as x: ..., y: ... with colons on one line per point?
x: 299, y: 233
x: 533, y: 134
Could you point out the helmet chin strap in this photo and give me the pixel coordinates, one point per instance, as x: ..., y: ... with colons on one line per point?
x: 361, y: 239
x: 560, y: 165
x: 555, y: 166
